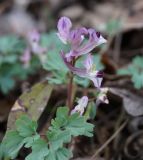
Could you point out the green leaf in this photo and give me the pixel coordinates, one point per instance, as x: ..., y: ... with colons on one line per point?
x: 51, y: 155
x: 84, y: 82
x: 91, y: 111
x: 6, y: 84
x: 30, y: 140
x: 25, y: 126
x: 78, y: 126
x: 135, y: 70
x: 65, y: 126
x: 39, y: 150
x: 25, y: 134
x: 63, y: 154
x: 9, y: 44
x: 58, y: 137
x: 61, y: 117
x: 11, y: 68
x: 54, y: 62
x: 2, y: 151
x: 60, y: 154
x: 13, y: 143
x: 112, y: 27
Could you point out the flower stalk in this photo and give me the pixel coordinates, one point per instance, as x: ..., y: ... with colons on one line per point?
x: 70, y: 90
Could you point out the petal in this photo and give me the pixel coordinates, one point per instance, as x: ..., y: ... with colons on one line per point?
x: 33, y: 36
x: 83, y: 102
x: 102, y: 97
x: 97, y: 81
x: 25, y: 58
x: 64, y: 26
x: 96, y: 76
x: 94, y: 40
x: 77, y: 110
x: 69, y: 56
x: 78, y: 71
x: 77, y: 36
x: 88, y: 63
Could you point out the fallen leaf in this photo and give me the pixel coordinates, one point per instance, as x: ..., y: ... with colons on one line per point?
x: 133, y: 104
x: 32, y: 102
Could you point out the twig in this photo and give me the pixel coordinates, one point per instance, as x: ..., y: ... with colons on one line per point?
x: 109, y: 140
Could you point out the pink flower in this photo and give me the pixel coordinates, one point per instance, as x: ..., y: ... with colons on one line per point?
x: 76, y: 38
x: 88, y: 72
x: 33, y: 38
x: 26, y: 57
x: 82, y: 104
x: 102, y: 97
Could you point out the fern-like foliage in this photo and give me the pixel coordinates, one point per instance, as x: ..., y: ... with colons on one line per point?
x: 61, y: 131
x: 11, y: 68
x: 135, y: 70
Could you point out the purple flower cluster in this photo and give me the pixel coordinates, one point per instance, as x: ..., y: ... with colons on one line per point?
x: 81, y: 41
x: 79, y: 46
x: 76, y: 38
x: 33, y: 39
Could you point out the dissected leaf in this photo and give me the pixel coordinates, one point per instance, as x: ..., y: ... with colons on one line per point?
x: 13, y: 143
x: 58, y: 137
x: 30, y: 140
x: 54, y: 62
x: 11, y: 68
x: 78, y: 126
x: 60, y: 154
x: 11, y: 44
x: 135, y: 69
x: 64, y: 126
x: 25, y: 126
x: 6, y: 84
x: 39, y: 150
x: 25, y: 134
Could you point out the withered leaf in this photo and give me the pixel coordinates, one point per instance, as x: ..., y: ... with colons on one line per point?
x: 133, y: 104
x: 31, y: 102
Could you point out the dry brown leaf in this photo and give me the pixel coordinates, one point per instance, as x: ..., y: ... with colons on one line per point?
x: 132, y: 103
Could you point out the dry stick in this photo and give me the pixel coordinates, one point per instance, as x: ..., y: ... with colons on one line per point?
x: 109, y: 140
x: 119, y: 120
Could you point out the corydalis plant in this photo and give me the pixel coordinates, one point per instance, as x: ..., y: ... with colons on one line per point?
x: 69, y: 121
x: 81, y: 41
